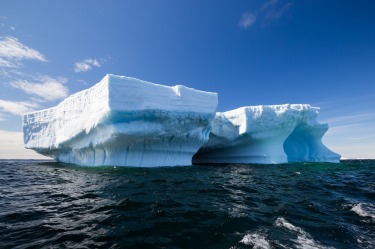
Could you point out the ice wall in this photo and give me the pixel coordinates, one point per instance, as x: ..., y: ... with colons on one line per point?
x: 124, y: 121
x: 266, y: 135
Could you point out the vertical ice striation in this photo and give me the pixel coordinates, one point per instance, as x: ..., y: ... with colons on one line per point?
x: 267, y: 135
x: 124, y: 121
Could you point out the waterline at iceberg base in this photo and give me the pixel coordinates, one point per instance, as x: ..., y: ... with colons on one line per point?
x: 123, y: 121
x: 266, y: 135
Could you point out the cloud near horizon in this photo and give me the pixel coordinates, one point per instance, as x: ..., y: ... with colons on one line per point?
x: 86, y: 65
x: 275, y: 14
x: 12, y: 147
x: 16, y: 107
x: 45, y: 87
x: 41, y: 88
x: 12, y: 52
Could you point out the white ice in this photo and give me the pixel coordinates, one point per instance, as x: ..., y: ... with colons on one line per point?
x: 124, y: 121
x: 266, y: 135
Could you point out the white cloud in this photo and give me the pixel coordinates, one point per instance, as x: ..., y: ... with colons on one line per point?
x: 270, y: 11
x: 84, y: 82
x: 45, y: 87
x: 12, y: 52
x: 247, y: 20
x: 86, y: 65
x: 268, y: 4
x: 12, y: 147
x: 275, y: 14
x: 6, y: 63
x: 16, y: 108
x: 2, y: 117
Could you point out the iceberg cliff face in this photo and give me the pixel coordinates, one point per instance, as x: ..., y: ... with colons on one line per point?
x: 124, y: 121
x: 266, y: 135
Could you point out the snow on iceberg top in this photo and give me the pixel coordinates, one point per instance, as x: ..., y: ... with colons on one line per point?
x: 131, y: 94
x: 264, y: 120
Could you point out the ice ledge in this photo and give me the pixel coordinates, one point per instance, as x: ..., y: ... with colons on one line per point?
x: 267, y: 135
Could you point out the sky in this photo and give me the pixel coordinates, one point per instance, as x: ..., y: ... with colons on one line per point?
x: 252, y: 52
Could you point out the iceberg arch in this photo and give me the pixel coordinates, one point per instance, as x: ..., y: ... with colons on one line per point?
x: 267, y: 135
x: 304, y: 144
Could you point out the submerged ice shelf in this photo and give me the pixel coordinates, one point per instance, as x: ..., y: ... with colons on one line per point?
x: 267, y: 135
x: 124, y: 121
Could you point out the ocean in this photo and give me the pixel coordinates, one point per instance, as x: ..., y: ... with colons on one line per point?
x: 44, y: 204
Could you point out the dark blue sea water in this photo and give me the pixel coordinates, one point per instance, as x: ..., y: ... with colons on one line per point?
x: 52, y: 205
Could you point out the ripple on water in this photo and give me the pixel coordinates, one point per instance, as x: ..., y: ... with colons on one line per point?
x: 47, y: 204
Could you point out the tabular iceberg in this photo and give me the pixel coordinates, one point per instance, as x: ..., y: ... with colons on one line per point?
x: 124, y: 121
x: 266, y: 135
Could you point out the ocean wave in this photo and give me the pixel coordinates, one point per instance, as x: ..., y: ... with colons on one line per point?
x: 304, y: 239
x: 258, y: 241
x: 63, y: 206
x: 364, y: 210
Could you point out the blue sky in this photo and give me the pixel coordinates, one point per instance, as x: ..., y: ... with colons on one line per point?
x: 250, y: 52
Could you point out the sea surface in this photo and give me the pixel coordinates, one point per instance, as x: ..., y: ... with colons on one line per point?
x: 304, y: 205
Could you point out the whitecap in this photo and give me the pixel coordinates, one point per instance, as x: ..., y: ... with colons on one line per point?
x: 304, y: 240
x: 258, y: 241
x: 364, y: 210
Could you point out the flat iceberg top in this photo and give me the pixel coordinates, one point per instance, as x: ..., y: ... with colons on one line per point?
x: 265, y: 112
x: 123, y: 93
x: 264, y: 120
x: 131, y: 94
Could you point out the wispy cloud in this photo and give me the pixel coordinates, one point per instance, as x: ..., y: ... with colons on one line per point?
x: 12, y: 52
x: 2, y: 117
x: 40, y: 88
x: 270, y: 11
x: 277, y: 13
x: 351, y: 118
x: 247, y: 20
x: 86, y: 65
x: 16, y: 108
x: 7, y: 63
x: 45, y: 87
x: 268, y: 4
x: 4, y: 25
x: 84, y: 82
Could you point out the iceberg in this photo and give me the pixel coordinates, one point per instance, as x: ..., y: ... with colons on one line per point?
x: 268, y: 134
x: 123, y: 121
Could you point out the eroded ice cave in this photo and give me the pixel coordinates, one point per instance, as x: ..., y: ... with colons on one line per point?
x: 267, y: 135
